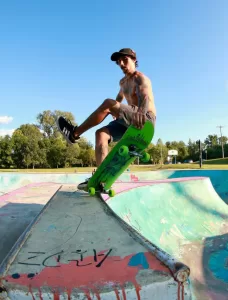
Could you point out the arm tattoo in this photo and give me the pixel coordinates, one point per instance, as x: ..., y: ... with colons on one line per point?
x: 143, y: 99
x: 119, y: 97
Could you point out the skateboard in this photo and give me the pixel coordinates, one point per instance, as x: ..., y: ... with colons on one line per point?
x: 131, y: 145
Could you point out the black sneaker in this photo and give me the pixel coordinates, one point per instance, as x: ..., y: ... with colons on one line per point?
x: 67, y: 129
x: 84, y: 185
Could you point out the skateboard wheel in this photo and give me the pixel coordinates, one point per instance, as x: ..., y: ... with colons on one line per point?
x: 111, y: 193
x: 146, y: 157
x: 123, y: 151
x: 92, y: 191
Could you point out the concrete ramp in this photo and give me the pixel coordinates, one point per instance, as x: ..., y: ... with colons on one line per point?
x: 186, y: 218
x: 77, y: 249
x: 18, y: 209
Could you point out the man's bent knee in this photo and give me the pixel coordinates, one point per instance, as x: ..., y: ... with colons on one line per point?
x: 109, y: 102
x: 111, y: 107
x: 102, y: 136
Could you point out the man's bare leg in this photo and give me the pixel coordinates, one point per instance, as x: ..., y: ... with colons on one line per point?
x: 101, y: 148
x: 109, y: 106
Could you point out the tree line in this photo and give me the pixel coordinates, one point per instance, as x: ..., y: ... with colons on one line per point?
x: 42, y: 146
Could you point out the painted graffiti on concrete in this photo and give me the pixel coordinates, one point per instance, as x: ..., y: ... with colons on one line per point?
x: 90, y: 276
x: 57, y: 256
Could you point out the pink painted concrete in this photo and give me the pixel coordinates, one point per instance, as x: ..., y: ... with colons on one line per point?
x: 125, y: 186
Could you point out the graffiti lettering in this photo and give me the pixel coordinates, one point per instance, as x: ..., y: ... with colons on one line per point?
x: 79, y: 261
x: 94, y: 258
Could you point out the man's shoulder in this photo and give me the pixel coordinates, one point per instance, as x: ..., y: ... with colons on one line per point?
x: 122, y: 80
x: 141, y: 77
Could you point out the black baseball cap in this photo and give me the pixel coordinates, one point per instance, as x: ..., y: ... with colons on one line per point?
x: 125, y: 51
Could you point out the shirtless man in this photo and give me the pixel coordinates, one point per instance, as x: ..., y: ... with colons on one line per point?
x: 136, y: 88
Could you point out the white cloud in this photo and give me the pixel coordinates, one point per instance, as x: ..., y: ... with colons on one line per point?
x: 5, y: 119
x: 4, y: 132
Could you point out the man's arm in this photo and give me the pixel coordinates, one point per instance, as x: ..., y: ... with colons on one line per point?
x: 120, y: 96
x: 143, y: 92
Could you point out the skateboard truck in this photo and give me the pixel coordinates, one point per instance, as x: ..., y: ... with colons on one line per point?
x: 110, y: 192
x: 131, y: 150
x: 102, y: 190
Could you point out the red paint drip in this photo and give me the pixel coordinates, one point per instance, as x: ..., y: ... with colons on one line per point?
x: 68, y: 294
x: 180, y: 291
x: 56, y: 296
x: 40, y: 294
x: 87, y: 294
x: 117, y: 294
x: 124, y: 294
x: 137, y: 290
x: 114, y: 270
x: 98, y: 296
x: 30, y: 290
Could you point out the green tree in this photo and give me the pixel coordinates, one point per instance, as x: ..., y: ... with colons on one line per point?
x: 47, y: 121
x: 193, y: 150
x: 6, y: 149
x: 72, y: 155
x: 182, y: 151
x: 223, y: 139
x: 56, y: 153
x: 211, y: 140
x: 27, y: 148
x: 20, y: 149
x: 84, y: 144
x: 160, y: 147
x: 168, y: 145
x: 87, y: 157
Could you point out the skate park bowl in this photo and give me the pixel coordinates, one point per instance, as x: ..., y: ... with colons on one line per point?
x: 163, y: 236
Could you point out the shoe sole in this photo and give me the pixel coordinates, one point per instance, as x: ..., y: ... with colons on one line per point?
x: 68, y: 141
x: 83, y: 188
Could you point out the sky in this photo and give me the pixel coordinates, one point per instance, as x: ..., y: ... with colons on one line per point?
x: 55, y: 55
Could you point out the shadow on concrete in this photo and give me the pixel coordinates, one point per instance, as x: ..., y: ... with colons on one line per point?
x: 192, y: 198
x: 14, y: 219
x: 218, y: 178
x: 214, y: 256
x: 205, y: 253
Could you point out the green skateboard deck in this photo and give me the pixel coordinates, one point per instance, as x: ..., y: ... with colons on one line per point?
x: 132, y: 144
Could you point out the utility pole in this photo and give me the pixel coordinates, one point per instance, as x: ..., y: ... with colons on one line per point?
x: 220, y: 127
x: 200, y: 154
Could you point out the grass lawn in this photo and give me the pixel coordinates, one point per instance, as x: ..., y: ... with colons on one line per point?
x: 217, y: 161
x: 212, y: 164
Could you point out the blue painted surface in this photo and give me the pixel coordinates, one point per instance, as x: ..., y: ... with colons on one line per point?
x: 12, y: 181
x: 218, y: 264
x: 139, y: 260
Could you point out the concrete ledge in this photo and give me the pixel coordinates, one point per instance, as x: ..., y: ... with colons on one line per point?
x: 77, y: 249
x: 18, y: 209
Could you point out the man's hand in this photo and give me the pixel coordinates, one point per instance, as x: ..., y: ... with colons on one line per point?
x: 138, y: 119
